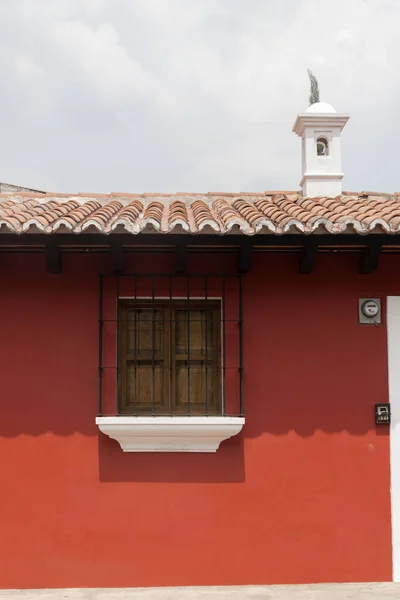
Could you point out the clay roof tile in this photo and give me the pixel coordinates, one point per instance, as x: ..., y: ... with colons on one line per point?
x: 224, y: 212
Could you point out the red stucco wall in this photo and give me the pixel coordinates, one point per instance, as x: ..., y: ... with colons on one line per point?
x: 301, y: 496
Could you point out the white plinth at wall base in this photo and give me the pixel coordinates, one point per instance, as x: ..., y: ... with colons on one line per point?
x: 323, y: 591
x: 170, y: 434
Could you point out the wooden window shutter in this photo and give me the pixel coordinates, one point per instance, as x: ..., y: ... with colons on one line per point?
x: 196, y: 359
x: 170, y: 358
x: 143, y: 360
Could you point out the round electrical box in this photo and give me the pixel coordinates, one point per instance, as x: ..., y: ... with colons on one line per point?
x: 370, y: 308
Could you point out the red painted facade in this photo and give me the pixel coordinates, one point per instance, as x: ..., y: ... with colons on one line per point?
x: 301, y: 495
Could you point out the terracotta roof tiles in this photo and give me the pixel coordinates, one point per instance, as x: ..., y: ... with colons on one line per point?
x: 215, y: 212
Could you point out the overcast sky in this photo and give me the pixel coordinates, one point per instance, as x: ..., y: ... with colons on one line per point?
x: 193, y: 95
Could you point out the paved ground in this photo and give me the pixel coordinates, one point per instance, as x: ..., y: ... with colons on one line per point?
x: 355, y: 591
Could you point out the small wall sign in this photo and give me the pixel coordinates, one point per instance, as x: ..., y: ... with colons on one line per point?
x: 382, y: 414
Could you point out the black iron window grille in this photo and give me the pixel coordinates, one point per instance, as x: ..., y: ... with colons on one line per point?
x: 170, y: 345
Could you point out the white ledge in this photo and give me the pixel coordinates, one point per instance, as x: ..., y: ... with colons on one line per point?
x: 315, y: 591
x: 170, y: 434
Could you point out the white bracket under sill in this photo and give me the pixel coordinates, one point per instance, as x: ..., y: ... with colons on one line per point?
x: 170, y: 434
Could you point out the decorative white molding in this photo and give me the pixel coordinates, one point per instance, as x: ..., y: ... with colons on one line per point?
x: 321, y: 121
x: 321, y: 177
x: 170, y: 434
x: 393, y: 341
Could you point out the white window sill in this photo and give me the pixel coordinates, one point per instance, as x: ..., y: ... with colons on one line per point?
x: 170, y: 434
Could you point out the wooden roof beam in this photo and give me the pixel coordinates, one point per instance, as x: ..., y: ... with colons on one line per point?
x: 181, y: 258
x: 307, y: 258
x: 244, y: 257
x: 53, y: 258
x: 369, y: 258
x: 118, y: 258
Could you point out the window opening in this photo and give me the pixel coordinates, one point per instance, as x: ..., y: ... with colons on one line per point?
x: 322, y: 146
x: 186, y: 347
x: 177, y: 345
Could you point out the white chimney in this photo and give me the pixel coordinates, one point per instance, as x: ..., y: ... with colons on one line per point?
x: 320, y: 128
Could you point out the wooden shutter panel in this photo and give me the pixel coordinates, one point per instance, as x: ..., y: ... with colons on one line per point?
x: 143, y: 367
x: 196, y: 359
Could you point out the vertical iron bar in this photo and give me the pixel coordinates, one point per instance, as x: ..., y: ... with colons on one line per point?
x: 206, y: 307
x: 134, y: 343
x: 152, y: 346
x: 188, y: 339
x: 171, y: 358
x: 223, y: 317
x: 100, y: 399
x: 241, y: 345
x: 116, y: 337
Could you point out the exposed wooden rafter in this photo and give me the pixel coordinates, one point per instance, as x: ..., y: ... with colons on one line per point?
x: 369, y: 258
x: 180, y: 258
x: 307, y: 258
x: 118, y: 258
x: 244, y: 257
x: 53, y: 258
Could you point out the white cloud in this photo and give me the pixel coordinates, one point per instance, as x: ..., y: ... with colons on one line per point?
x: 27, y: 67
x: 102, y: 60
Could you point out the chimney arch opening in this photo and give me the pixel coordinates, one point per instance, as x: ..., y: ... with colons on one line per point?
x: 322, y: 146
